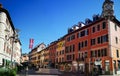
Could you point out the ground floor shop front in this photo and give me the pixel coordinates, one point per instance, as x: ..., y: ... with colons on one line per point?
x: 93, y: 65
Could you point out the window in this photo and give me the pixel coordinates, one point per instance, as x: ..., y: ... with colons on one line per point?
x: 62, y: 51
x: 86, y: 43
x: 73, y: 48
x: 68, y: 39
x: 79, y: 46
x: 79, y: 55
x: 70, y: 48
x: 82, y: 33
x: 82, y: 44
x: 102, y: 52
x: 115, y: 27
x: 72, y: 37
x: 117, y: 52
x: 93, y: 29
x: 98, y: 27
x: 66, y: 50
x: 68, y: 57
x: 95, y: 53
x: 98, y: 40
x: 98, y: 53
x: 77, y: 35
x: 62, y: 59
x: 105, y: 38
x: 92, y: 41
x: 103, y: 25
x: 101, y: 39
x: 91, y: 53
x: 116, y: 40
x: 86, y: 32
x: 105, y: 52
x: 73, y: 56
x: 85, y: 54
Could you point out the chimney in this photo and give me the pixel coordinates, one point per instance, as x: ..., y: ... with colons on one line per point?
x: 0, y: 5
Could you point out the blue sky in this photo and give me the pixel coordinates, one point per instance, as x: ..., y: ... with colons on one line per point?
x: 47, y: 20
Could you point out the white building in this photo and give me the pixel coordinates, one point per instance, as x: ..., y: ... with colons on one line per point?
x: 10, y: 46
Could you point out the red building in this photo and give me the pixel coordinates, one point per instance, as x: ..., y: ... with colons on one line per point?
x: 90, y: 45
x: 52, y: 53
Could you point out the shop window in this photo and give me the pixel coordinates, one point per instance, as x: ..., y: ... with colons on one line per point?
x: 107, y: 67
x: 118, y: 65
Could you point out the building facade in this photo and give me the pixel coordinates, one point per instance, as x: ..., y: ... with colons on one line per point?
x: 60, y: 54
x: 35, y: 55
x: 10, y: 45
x: 90, y: 45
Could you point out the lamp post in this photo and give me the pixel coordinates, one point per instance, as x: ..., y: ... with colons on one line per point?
x: 14, y: 39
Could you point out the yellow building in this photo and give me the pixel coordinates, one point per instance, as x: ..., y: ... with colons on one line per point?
x: 60, y: 54
x: 41, y: 58
x: 36, y: 55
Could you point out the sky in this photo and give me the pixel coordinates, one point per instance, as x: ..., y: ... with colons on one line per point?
x: 48, y: 20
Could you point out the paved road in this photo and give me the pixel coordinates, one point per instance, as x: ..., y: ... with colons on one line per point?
x: 34, y: 73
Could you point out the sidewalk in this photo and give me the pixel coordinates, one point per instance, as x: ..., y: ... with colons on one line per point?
x: 109, y: 75
x: 48, y: 71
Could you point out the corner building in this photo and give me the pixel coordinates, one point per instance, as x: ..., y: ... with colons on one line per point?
x: 95, y: 43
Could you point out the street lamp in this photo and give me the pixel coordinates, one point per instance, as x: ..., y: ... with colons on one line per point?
x: 14, y: 38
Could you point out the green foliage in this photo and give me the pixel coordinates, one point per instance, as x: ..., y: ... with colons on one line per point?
x: 7, y: 72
